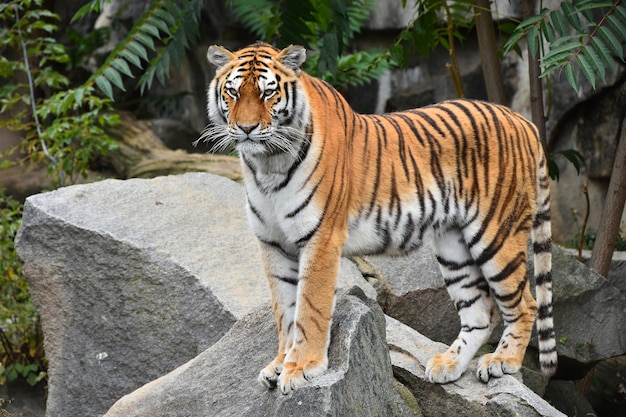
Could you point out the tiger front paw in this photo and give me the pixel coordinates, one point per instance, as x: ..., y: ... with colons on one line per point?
x: 441, y: 369
x: 269, y: 375
x: 295, y: 376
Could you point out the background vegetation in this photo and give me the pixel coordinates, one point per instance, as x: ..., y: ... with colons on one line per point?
x: 64, y: 119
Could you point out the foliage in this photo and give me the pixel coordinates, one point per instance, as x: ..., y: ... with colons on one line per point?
x: 164, y: 32
x: 426, y: 31
x: 587, y: 34
x: 66, y: 126
x: 324, y: 27
x: 21, y: 349
x: 573, y: 156
x: 589, y: 239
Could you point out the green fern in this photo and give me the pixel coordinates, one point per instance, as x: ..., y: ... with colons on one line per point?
x: 164, y: 32
x: 577, y: 40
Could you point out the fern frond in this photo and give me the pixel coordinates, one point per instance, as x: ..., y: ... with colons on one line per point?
x: 576, y: 40
x: 164, y: 31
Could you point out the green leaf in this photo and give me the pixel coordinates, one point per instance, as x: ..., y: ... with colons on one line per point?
x: 531, y: 21
x: 617, y: 25
x: 114, y: 76
x: 613, y: 43
x: 620, y: 10
x: 92, y: 6
x: 547, y: 30
x: 131, y: 57
x: 151, y: 29
x: 104, y: 85
x: 569, y: 47
x: 122, y: 66
x: 145, y: 39
x: 604, y: 53
x: 161, y: 25
x: 586, y: 69
x: 571, y: 15
x: 558, y: 21
x: 595, y: 62
x: 137, y: 49
x: 79, y: 94
x: 553, y: 168
x: 165, y: 16
x: 575, y: 157
x: 571, y: 76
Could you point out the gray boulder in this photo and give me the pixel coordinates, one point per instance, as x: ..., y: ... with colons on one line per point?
x: 506, y: 396
x: 221, y: 382
x: 134, y: 278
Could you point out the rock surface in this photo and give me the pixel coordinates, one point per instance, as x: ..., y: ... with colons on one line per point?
x: 134, y: 278
x: 139, y: 279
x: 221, y: 382
x: 506, y: 396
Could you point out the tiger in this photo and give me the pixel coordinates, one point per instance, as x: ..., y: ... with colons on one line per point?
x: 323, y: 181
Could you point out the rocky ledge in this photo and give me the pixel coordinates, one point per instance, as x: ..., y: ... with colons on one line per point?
x: 153, y: 302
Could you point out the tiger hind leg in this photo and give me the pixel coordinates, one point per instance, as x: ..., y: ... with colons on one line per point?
x: 505, y: 271
x: 470, y: 293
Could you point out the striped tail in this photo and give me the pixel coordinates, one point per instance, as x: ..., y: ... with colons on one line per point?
x: 542, y: 247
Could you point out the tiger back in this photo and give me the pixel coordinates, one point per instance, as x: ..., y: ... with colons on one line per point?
x: 323, y: 181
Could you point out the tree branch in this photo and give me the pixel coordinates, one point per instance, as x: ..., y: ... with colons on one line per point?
x: 536, y: 85
x: 492, y: 71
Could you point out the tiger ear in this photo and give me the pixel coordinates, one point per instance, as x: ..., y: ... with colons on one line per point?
x: 292, y: 57
x: 219, y: 56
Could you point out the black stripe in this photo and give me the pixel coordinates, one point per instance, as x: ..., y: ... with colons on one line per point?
x: 304, y: 203
x: 546, y: 334
x: 455, y: 280
x: 277, y: 246
x: 303, y: 151
x: 256, y: 212
x: 541, y: 247
x: 511, y: 267
x: 461, y: 304
x: 544, y: 312
x: 541, y: 217
x: 454, y: 265
x: 288, y: 280
x: 543, y: 278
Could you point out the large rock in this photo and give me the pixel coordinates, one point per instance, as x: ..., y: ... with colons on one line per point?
x: 134, y: 278
x: 588, y: 311
x: 221, y: 382
x: 506, y: 396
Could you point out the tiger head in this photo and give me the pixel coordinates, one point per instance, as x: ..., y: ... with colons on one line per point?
x: 255, y: 100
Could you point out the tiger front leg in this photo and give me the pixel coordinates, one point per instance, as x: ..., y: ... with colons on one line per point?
x: 281, y: 270
x: 307, y: 357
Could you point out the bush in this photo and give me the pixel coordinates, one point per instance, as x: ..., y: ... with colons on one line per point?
x: 21, y: 339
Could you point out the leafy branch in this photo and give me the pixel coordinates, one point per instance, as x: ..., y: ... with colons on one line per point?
x: 164, y: 32
x: 576, y: 39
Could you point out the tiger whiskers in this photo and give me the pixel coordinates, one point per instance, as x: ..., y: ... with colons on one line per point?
x: 218, y: 136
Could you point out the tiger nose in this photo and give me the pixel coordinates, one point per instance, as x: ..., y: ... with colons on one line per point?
x: 247, y: 128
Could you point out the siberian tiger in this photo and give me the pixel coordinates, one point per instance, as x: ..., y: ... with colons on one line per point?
x: 323, y: 181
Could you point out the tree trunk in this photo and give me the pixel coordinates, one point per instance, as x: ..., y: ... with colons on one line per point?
x: 608, y: 229
x: 536, y: 85
x: 492, y: 71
